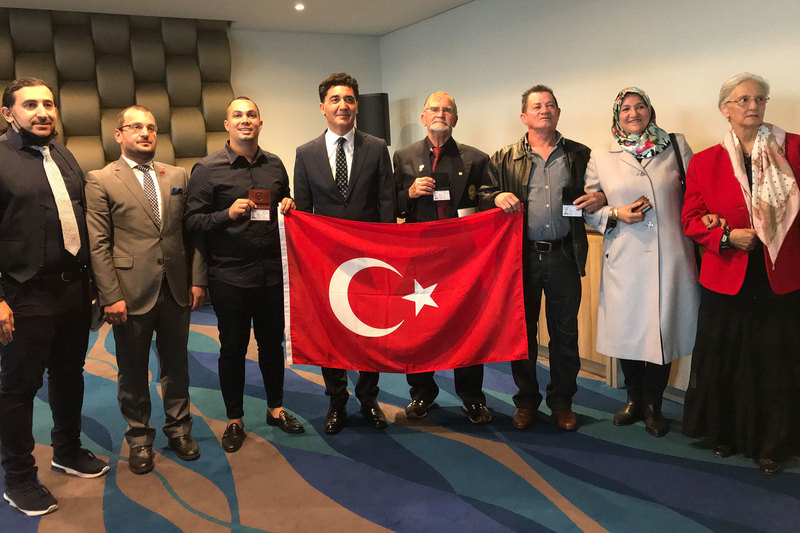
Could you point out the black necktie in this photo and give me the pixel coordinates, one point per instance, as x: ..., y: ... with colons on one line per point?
x: 341, y: 168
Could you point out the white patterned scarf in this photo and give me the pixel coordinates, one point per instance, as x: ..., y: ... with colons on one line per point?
x: 773, y: 202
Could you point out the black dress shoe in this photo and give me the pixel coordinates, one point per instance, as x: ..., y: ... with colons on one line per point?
x: 335, y: 420
x: 233, y: 438
x: 631, y: 412
x: 286, y: 422
x: 654, y: 423
x: 373, y: 415
x: 419, y: 408
x: 723, y: 450
x: 477, y: 413
x: 185, y: 447
x: 140, y: 459
x: 769, y: 466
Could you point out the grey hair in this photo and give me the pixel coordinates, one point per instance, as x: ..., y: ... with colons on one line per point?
x: 731, y: 83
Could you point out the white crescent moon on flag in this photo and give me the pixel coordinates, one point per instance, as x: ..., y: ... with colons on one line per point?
x: 338, y: 291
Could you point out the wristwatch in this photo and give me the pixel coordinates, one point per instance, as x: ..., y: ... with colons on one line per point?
x: 725, y: 241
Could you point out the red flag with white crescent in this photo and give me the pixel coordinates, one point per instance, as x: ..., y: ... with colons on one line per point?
x: 403, y: 297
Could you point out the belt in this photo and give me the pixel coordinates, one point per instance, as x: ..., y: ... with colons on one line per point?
x: 549, y: 246
x: 67, y: 276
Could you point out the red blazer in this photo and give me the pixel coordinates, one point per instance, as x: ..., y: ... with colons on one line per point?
x: 711, y: 187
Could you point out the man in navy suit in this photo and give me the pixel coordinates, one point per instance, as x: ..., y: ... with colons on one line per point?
x: 345, y: 173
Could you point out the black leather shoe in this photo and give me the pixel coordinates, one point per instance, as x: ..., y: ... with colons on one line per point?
x: 185, y: 447
x: 654, y: 423
x: 419, y: 408
x: 477, y: 413
x: 723, y: 451
x: 769, y: 466
x: 233, y: 438
x: 140, y: 459
x: 286, y: 422
x: 335, y: 420
x: 373, y: 415
x: 631, y: 412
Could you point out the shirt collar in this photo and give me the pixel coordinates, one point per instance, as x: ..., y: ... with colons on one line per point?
x: 331, y: 138
x: 447, y: 145
x: 233, y: 155
x: 527, y: 147
x: 134, y: 164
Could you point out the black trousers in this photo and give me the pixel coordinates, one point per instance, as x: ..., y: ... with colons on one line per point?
x: 236, y: 309
x: 645, y: 381
x: 468, y: 382
x: 56, y: 343
x: 555, y: 273
x: 336, y: 387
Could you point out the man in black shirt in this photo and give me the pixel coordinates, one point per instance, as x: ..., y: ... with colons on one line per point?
x: 44, y: 295
x: 233, y: 200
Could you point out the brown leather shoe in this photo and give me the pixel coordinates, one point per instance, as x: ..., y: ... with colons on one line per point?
x: 524, y: 417
x: 566, y: 419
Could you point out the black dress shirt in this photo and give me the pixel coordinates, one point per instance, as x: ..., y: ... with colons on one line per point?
x: 241, y: 252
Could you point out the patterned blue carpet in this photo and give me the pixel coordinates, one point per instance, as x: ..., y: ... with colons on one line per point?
x: 442, y: 474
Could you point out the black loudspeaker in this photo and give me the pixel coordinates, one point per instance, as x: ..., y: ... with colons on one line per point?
x: 373, y: 115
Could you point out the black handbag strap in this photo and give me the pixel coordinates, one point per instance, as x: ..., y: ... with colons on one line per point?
x: 681, y: 170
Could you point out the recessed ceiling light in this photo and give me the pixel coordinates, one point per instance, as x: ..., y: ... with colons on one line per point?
x: 299, y: 7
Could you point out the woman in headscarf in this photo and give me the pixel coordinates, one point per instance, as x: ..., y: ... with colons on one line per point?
x: 648, y: 294
x: 744, y: 388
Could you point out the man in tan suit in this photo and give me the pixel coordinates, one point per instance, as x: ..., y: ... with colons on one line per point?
x: 141, y: 267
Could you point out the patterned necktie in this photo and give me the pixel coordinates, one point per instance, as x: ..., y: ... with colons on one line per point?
x: 69, y: 224
x: 441, y: 205
x: 150, y: 191
x: 341, y: 168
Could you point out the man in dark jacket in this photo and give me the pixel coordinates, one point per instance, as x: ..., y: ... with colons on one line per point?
x: 438, y: 178
x: 44, y: 295
x: 544, y: 173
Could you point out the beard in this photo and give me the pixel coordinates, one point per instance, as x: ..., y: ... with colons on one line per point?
x: 34, y: 139
x: 142, y: 154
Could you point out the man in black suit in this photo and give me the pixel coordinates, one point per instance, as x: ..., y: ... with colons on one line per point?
x: 44, y: 295
x: 345, y: 173
x: 453, y: 171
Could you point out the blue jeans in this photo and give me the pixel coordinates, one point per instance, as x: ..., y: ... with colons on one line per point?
x: 555, y: 273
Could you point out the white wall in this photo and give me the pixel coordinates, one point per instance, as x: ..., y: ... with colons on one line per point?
x: 280, y: 72
x: 487, y: 52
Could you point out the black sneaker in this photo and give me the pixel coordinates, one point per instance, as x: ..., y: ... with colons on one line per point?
x: 477, y: 413
x: 82, y: 463
x: 31, y: 498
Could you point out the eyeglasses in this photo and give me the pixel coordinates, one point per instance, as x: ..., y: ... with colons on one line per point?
x: 137, y: 128
x: 744, y: 101
x: 436, y: 110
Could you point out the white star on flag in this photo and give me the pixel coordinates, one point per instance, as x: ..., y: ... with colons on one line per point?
x: 421, y: 297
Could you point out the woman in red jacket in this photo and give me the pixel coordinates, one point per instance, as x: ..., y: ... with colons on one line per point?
x: 744, y: 388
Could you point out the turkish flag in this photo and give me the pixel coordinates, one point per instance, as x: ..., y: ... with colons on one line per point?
x: 403, y: 297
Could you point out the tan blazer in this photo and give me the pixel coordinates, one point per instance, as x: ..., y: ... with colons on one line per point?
x: 127, y: 248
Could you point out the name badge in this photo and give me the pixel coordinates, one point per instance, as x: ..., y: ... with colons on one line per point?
x: 261, y: 211
x: 569, y: 195
x: 441, y: 190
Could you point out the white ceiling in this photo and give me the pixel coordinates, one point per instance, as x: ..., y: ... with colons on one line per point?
x: 355, y: 17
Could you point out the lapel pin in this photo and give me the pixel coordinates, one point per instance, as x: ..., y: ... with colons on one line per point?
x: 421, y: 167
x: 460, y: 173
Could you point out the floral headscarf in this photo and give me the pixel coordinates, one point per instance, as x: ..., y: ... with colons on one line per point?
x: 651, y: 142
